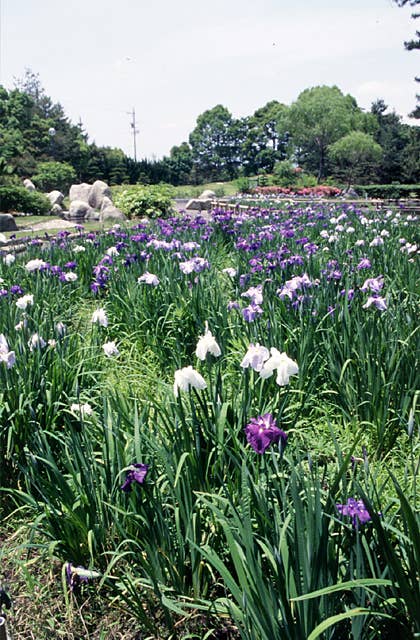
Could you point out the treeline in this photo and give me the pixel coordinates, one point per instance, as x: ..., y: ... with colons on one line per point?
x: 323, y: 133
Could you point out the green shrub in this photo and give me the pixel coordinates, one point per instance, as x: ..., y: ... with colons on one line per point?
x: 308, y: 180
x: 262, y: 178
x: 389, y: 191
x: 243, y: 185
x: 284, y: 174
x: 153, y: 201
x: 54, y: 175
x: 20, y: 199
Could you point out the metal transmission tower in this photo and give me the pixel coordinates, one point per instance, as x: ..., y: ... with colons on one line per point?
x: 135, y: 132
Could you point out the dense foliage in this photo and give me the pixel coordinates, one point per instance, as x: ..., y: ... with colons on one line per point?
x: 13, y: 198
x: 214, y: 419
x: 151, y: 200
x: 413, y: 44
x: 389, y: 191
x: 37, y: 140
x: 54, y: 175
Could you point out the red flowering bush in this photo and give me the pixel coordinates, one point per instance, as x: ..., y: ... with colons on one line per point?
x: 320, y: 190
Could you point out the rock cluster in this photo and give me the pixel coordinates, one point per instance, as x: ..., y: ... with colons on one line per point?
x: 93, y: 202
x: 87, y: 202
x: 202, y: 203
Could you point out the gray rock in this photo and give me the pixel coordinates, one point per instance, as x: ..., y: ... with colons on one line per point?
x: 7, y: 222
x: 55, y: 197
x: 198, y: 204
x: 207, y: 193
x: 98, y: 192
x: 350, y: 193
x: 110, y: 212
x: 80, y: 209
x: 29, y: 185
x: 93, y: 214
x: 80, y: 192
x: 56, y: 210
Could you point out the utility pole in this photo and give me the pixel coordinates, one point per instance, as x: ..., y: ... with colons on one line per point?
x: 135, y: 132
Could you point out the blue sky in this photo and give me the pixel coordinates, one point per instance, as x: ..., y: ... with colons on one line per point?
x: 172, y: 60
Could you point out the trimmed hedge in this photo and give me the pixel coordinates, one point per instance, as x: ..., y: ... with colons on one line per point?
x: 24, y: 201
x: 389, y: 191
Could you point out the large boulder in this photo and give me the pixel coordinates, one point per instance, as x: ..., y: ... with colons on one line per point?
x: 80, y: 192
x: 207, y: 193
x: 7, y: 222
x: 29, y: 185
x: 99, y: 190
x: 55, y: 197
x: 93, y: 214
x: 199, y: 204
x: 109, y: 211
x: 80, y: 209
x: 56, y: 210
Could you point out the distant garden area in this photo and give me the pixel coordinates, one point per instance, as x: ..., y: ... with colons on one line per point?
x: 322, y: 137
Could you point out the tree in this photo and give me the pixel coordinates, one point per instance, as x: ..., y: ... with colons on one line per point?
x: 393, y: 136
x: 355, y: 154
x: 412, y: 44
x: 410, y: 157
x: 319, y: 117
x: 266, y: 138
x: 214, y: 144
x: 180, y: 163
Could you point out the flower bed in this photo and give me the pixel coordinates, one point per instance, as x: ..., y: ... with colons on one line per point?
x: 218, y: 415
x: 321, y: 191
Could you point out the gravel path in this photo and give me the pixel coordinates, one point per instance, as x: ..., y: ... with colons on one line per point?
x: 57, y: 223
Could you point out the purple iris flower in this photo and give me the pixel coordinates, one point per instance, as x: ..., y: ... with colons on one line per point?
x: 348, y: 292
x: 72, y: 577
x: 233, y: 304
x: 251, y: 312
x: 76, y: 575
x: 56, y: 270
x: 136, y: 473
x: 130, y: 258
x: 16, y: 289
x: 356, y: 509
x: 140, y: 237
x: 255, y: 294
x: 263, y: 431
x: 334, y: 275
x: 364, y: 264
x: 195, y: 265
x: 373, y: 284
x: 377, y: 301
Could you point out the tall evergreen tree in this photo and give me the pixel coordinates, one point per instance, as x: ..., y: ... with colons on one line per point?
x: 413, y: 44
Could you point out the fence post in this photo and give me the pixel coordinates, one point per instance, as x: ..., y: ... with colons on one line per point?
x: 3, y: 630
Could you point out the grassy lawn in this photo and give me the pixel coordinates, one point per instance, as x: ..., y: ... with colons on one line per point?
x: 28, y: 226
